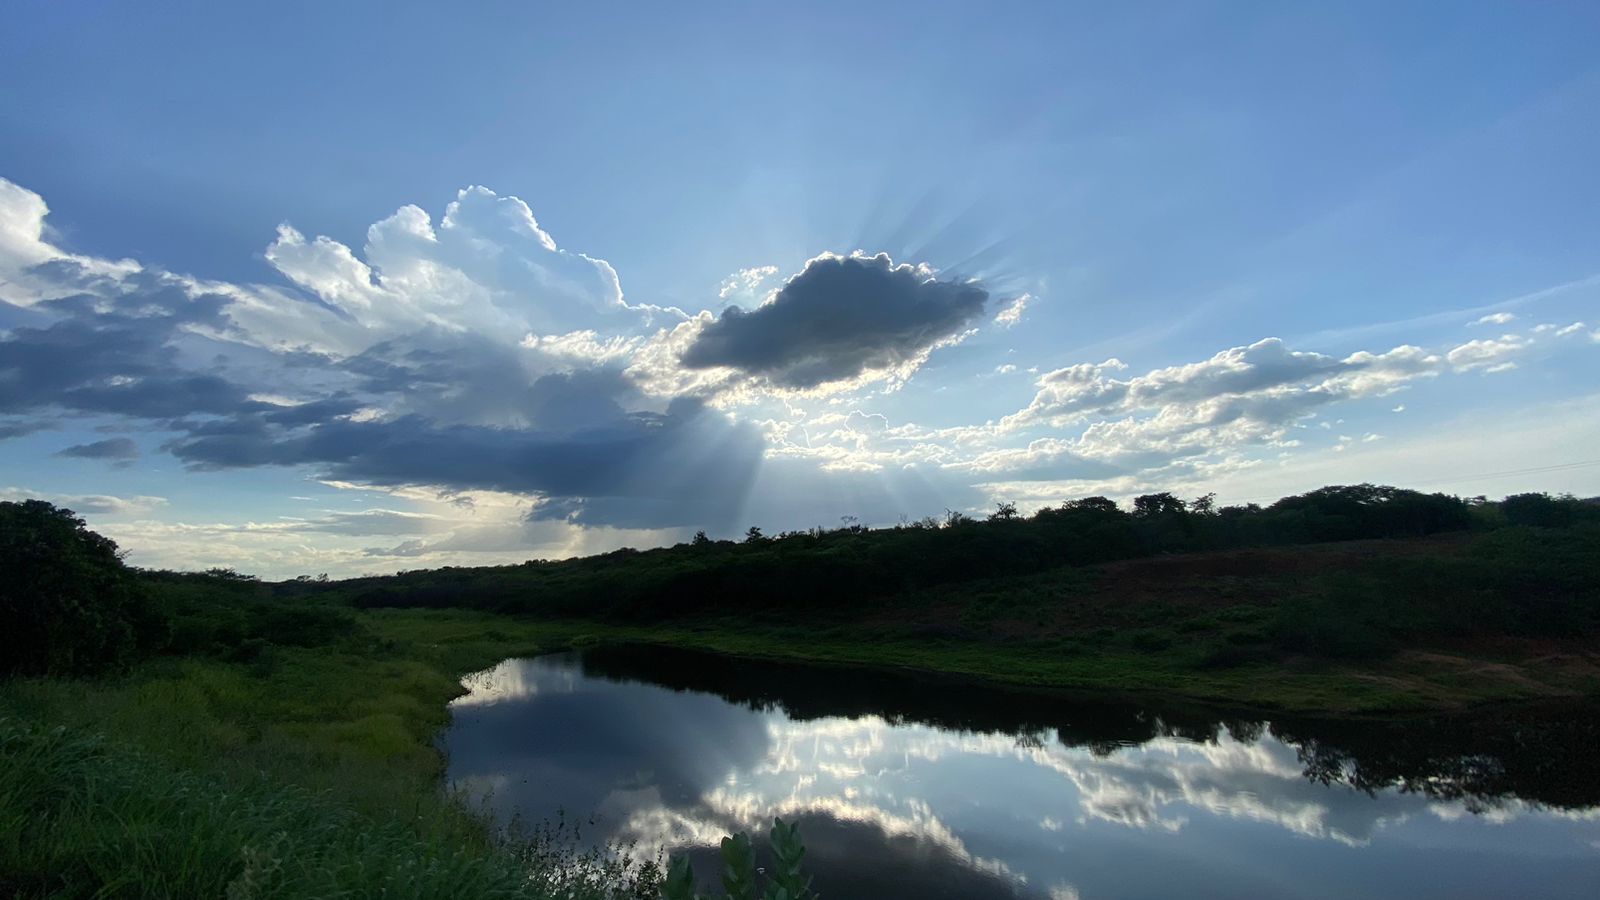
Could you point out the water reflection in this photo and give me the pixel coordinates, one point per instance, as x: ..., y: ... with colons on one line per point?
x: 911, y: 788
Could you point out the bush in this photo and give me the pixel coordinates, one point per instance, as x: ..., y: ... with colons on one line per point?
x: 1541, y: 510
x: 67, y: 603
x: 303, y: 625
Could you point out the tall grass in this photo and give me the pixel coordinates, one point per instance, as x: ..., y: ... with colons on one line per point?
x: 83, y: 817
x: 300, y: 772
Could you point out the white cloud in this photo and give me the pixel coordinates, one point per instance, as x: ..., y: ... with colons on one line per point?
x: 1010, y: 314
x: 1497, y: 318
x: 1265, y: 378
x: 468, y: 320
x: 1486, y: 353
x: 747, y: 285
x: 88, y: 504
x: 25, y: 245
x: 487, y: 268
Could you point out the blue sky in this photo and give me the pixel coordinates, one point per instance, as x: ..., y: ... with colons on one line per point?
x: 1217, y: 247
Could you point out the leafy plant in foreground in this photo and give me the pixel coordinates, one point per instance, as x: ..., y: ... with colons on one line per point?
x: 786, y: 882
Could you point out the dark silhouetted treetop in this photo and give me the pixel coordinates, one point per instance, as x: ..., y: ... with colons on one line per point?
x: 67, y: 603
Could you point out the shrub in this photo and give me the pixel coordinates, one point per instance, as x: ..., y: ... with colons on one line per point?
x: 1540, y: 510
x: 67, y: 603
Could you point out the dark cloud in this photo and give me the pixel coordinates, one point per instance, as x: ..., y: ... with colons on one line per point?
x: 839, y: 317
x: 20, y: 428
x: 116, y: 356
x: 467, y: 415
x: 472, y: 379
x: 119, y: 450
x: 687, y: 466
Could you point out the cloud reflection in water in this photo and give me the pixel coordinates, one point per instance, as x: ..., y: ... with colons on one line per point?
x: 892, y: 804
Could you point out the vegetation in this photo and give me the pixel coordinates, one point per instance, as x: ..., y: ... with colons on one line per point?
x: 67, y: 604
x: 821, y: 570
x: 80, y: 817
x: 1322, y: 590
x: 263, y: 748
x: 210, y: 734
x: 739, y: 872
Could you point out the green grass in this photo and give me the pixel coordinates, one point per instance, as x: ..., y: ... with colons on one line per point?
x: 1115, y: 663
x: 305, y: 772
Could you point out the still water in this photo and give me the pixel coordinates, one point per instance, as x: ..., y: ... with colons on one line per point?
x: 911, y: 787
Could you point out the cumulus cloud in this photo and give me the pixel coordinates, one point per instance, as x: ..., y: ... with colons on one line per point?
x: 1265, y: 381
x: 486, y: 267
x: 1185, y: 421
x: 471, y: 353
x: 32, y: 268
x: 117, y: 353
x: 839, y: 318
x: 1491, y: 355
x: 1498, y: 318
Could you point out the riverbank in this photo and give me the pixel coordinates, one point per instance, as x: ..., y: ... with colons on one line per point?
x: 302, y: 772
x: 1336, y: 629
x: 316, y: 765
x: 279, y: 739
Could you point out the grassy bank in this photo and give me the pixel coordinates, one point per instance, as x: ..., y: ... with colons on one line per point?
x: 302, y: 772
x: 311, y: 770
x: 1342, y: 628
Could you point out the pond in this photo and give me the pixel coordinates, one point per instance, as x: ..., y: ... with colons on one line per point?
x: 914, y: 786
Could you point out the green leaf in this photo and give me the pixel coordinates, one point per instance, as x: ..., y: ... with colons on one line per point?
x: 739, y: 867
x: 790, y: 852
x: 679, y: 883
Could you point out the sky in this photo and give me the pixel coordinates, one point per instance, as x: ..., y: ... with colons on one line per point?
x: 354, y: 288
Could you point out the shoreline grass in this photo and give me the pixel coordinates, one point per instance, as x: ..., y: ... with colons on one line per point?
x: 198, y: 776
x: 303, y: 772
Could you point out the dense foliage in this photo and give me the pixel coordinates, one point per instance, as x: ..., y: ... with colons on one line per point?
x: 821, y: 569
x: 67, y: 603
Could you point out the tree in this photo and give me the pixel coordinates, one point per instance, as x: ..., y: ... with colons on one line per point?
x: 1162, y: 504
x: 754, y: 536
x: 67, y: 603
x: 700, y: 539
x: 955, y: 518
x: 1092, y: 504
x: 1539, y: 510
x: 1004, y: 511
